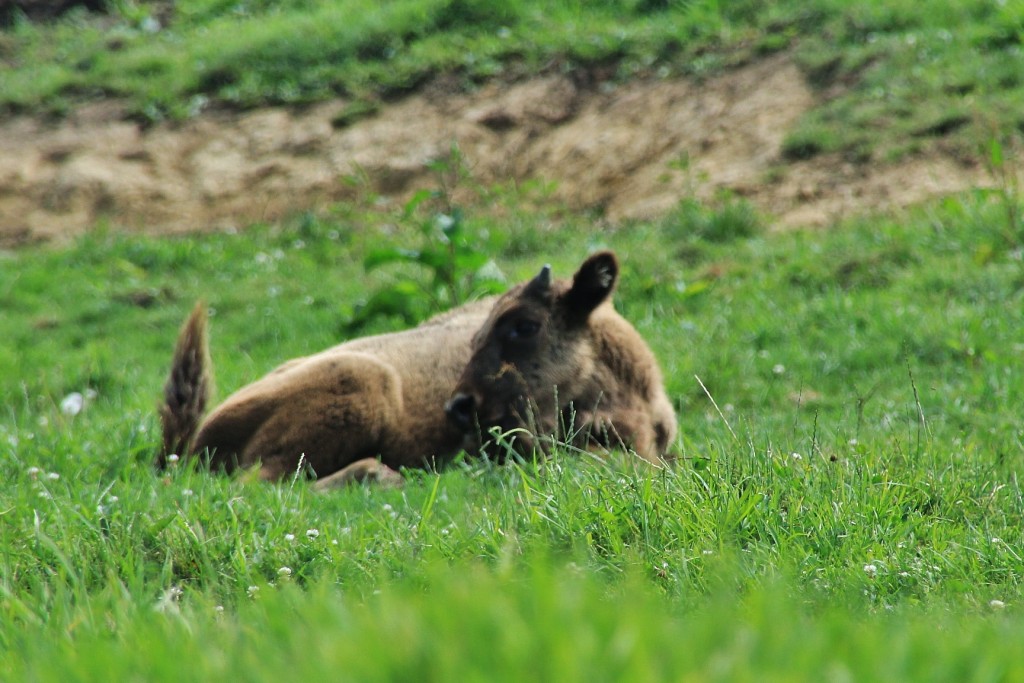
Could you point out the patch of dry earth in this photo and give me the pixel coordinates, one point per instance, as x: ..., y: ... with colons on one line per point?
x: 614, y: 148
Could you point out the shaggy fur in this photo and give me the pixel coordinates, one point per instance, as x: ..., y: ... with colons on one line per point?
x: 188, y: 387
x: 555, y: 358
x: 365, y: 408
x: 337, y: 411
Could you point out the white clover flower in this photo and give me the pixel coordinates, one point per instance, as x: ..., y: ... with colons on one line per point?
x: 33, y: 472
x: 778, y: 368
x: 187, y: 492
x: 996, y: 604
x: 289, y: 537
x: 219, y: 609
x: 168, y: 601
x: 72, y: 404
x: 870, y: 570
x: 53, y: 476
x: 796, y: 456
x: 251, y: 591
x: 284, y: 571
x: 312, y: 533
x: 172, y: 458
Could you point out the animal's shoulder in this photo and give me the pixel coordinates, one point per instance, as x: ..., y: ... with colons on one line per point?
x: 621, y: 348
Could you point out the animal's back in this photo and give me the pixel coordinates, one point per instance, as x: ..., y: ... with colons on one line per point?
x: 381, y: 396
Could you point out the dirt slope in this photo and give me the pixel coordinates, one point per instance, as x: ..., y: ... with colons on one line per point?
x: 615, y: 148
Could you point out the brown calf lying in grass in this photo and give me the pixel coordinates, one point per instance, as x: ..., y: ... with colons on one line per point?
x: 549, y: 357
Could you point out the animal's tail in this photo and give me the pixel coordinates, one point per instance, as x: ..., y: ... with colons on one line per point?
x: 188, y: 388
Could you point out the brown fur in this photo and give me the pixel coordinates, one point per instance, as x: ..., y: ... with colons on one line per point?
x: 336, y: 411
x: 363, y: 409
x: 555, y: 357
x: 188, y: 387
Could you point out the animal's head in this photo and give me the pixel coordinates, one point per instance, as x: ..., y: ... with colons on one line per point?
x: 533, y: 354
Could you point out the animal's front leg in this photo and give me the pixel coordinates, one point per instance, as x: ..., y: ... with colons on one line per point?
x: 365, y: 471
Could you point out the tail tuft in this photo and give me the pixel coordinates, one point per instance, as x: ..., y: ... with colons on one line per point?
x: 188, y: 388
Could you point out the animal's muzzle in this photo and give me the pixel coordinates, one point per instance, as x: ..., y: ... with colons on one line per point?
x: 461, y: 411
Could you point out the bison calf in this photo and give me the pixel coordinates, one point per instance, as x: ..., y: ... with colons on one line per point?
x: 545, y: 355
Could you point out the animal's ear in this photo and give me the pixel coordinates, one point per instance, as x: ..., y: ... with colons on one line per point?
x: 591, y: 285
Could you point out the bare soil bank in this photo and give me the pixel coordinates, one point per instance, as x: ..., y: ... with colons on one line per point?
x: 617, y: 149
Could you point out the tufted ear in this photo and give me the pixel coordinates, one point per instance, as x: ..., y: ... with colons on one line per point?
x: 592, y: 284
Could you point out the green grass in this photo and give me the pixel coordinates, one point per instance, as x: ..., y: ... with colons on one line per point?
x: 847, y: 506
x: 845, y: 503
x: 251, y: 54
x: 564, y: 626
x: 892, y: 76
x: 916, y: 72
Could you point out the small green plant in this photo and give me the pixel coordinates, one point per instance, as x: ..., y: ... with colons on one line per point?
x: 454, y: 256
x: 807, y: 142
x: 732, y: 219
x: 355, y: 111
x: 1006, y: 191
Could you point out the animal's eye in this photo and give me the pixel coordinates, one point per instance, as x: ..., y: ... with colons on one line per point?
x: 524, y: 329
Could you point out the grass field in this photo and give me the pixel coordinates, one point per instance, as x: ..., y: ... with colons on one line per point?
x: 894, y: 74
x: 848, y: 507
x: 845, y: 503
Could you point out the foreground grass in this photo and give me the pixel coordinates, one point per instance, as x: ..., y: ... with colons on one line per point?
x: 846, y: 500
x: 893, y: 75
x: 478, y: 624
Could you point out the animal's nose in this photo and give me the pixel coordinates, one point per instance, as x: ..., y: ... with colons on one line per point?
x: 460, y: 411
